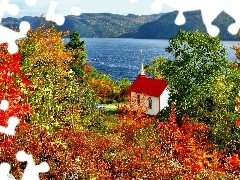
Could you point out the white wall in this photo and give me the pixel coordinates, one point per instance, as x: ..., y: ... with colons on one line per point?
x: 155, y: 105
x: 164, y: 99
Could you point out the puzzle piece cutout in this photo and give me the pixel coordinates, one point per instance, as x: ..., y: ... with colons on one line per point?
x: 30, y: 2
x: 12, y: 124
x: 10, y: 36
x: 210, y: 10
x: 12, y: 121
x: 31, y: 171
x: 12, y: 9
x: 4, y: 171
x: 4, y: 105
x: 58, y: 18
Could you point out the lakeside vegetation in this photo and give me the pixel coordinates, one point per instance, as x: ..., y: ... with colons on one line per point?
x: 54, y: 92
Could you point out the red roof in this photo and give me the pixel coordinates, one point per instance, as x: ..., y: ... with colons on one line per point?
x: 149, y: 86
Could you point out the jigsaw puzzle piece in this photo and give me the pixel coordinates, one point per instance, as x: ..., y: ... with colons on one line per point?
x: 180, y: 6
x: 208, y: 18
x: 76, y: 11
x: 12, y: 124
x: 4, y: 171
x: 12, y: 121
x: 231, y: 7
x: 10, y: 36
x: 209, y: 9
x: 52, y: 16
x: 58, y: 18
x: 31, y: 171
x: 12, y: 9
x: 30, y: 2
x: 4, y: 105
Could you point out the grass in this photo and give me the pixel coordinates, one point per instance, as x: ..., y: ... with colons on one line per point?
x: 111, y: 108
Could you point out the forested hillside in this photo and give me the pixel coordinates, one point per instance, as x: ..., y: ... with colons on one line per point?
x: 100, y: 25
x: 156, y: 26
x: 165, y: 27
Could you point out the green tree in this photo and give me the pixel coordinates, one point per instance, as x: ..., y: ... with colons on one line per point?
x: 203, y: 84
x: 124, y: 84
x: 79, y: 54
x: 155, y: 67
x: 75, y: 41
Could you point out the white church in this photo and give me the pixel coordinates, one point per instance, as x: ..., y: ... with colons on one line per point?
x: 154, y: 91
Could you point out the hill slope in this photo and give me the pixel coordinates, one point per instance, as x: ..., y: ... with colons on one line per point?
x: 165, y: 28
x: 157, y: 26
x: 90, y: 25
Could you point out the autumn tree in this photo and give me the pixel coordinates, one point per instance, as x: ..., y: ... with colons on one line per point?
x: 237, y: 49
x: 13, y: 87
x: 58, y: 98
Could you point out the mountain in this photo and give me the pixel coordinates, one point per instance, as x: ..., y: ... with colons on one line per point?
x: 165, y: 27
x: 105, y: 25
x: 156, y: 26
x: 14, y: 22
x: 101, y: 25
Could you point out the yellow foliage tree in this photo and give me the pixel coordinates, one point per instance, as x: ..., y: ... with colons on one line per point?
x: 57, y: 97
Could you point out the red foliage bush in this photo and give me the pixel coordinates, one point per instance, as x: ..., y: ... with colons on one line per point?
x: 132, y: 119
x: 189, y: 144
x: 84, y: 154
x: 232, y: 163
x: 12, y: 83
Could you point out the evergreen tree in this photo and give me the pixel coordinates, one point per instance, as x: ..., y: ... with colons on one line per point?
x: 79, y: 54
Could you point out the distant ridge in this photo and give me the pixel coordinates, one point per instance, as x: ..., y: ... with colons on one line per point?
x: 165, y: 28
x: 156, y: 26
x: 99, y: 25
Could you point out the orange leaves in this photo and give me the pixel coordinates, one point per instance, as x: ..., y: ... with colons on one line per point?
x: 234, y: 160
x: 237, y: 49
x: 86, y: 67
x: 132, y: 119
x: 106, y: 89
x: 12, y: 84
x: 101, y: 87
x: 238, y: 122
x: 45, y: 45
x: 188, y: 143
x: 189, y: 177
x: 237, y: 108
x: 197, y: 166
x: 233, y: 163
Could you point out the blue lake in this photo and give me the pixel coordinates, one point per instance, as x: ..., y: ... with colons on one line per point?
x: 120, y: 57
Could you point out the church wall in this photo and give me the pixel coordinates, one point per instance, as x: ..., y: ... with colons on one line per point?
x: 164, y: 99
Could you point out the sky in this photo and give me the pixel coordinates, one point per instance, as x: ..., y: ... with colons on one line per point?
x: 123, y: 7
